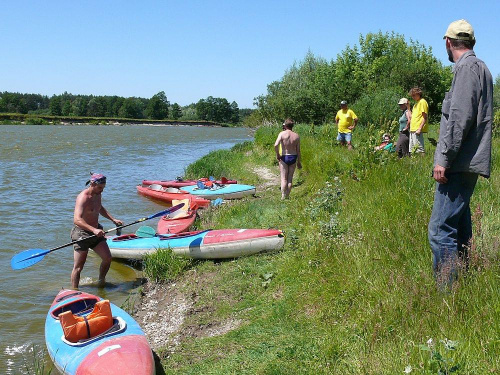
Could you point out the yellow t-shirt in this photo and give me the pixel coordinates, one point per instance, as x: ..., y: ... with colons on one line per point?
x: 416, y: 115
x: 346, y: 119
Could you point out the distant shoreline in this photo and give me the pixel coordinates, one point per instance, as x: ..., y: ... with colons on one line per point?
x: 32, y: 119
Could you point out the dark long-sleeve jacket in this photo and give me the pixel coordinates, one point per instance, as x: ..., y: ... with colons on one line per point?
x: 467, y: 115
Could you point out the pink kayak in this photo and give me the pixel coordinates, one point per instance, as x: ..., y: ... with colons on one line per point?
x: 178, y: 221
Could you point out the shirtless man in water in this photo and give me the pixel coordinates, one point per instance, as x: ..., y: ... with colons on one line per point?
x: 290, y: 158
x: 86, y: 219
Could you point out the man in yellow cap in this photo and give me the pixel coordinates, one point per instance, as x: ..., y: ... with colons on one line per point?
x: 462, y: 153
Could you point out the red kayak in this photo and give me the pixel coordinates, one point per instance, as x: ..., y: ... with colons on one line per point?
x: 169, y: 194
x: 180, y: 183
x: 178, y: 221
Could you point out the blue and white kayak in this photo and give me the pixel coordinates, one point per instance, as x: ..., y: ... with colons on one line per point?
x: 228, y: 191
x: 122, y: 349
x: 208, y: 244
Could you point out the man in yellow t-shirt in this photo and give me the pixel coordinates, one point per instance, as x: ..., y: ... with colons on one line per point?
x: 419, y: 121
x: 346, y: 120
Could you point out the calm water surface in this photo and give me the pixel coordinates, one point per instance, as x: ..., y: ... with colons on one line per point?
x: 42, y: 170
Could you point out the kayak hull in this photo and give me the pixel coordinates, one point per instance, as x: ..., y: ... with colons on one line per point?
x: 169, y: 194
x: 182, y: 183
x: 123, y: 352
x: 210, y: 244
x: 231, y: 191
x: 173, y: 225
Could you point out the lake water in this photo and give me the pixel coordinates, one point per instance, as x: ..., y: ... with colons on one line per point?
x: 42, y: 170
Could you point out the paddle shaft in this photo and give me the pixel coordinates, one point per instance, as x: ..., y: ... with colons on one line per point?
x: 161, y: 213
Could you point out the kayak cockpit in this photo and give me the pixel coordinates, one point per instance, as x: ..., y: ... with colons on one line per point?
x: 79, y: 307
x: 119, y: 325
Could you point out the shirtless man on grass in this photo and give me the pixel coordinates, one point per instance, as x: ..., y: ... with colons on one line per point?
x: 290, y: 158
x: 86, y: 219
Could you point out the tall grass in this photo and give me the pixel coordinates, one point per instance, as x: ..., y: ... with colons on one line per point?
x: 163, y: 265
x: 34, y: 362
x: 352, y: 292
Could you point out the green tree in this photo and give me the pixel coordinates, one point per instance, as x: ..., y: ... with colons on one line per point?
x: 55, y: 105
x: 157, y: 107
x: 214, y: 109
x: 311, y: 90
x: 66, y: 108
x: 496, y: 94
x: 235, y: 113
x: 176, y: 111
x: 131, y: 108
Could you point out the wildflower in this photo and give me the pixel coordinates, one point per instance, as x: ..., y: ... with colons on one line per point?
x: 430, y: 342
x: 407, y: 369
x: 449, y: 344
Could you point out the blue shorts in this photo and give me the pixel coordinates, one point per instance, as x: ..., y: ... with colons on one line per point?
x: 344, y: 137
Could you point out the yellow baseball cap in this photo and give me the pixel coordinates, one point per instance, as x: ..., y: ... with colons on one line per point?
x: 461, y: 30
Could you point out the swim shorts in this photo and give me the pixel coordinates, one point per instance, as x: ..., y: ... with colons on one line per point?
x: 289, y: 159
x: 78, y: 233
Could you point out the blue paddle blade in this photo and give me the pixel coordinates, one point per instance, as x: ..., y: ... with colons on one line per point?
x: 200, y: 185
x: 27, y: 258
x: 145, y: 232
x: 216, y: 202
x: 211, y: 178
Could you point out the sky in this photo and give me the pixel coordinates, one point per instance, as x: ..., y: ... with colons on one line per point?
x: 195, y: 49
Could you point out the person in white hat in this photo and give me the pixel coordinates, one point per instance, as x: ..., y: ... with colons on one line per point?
x: 462, y: 154
x: 403, y: 142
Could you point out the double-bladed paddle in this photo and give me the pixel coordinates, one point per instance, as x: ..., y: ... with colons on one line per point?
x: 30, y: 257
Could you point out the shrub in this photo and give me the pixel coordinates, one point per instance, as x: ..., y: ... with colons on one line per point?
x: 496, y: 124
x: 265, y: 136
x: 378, y: 107
x: 36, y: 121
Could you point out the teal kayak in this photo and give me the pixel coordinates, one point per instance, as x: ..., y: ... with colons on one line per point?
x: 228, y: 191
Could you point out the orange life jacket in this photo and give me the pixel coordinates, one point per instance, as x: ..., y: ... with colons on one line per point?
x: 85, y: 327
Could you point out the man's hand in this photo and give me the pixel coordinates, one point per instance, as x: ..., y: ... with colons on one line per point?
x: 350, y: 127
x: 438, y: 174
x: 98, y: 232
x: 118, y: 222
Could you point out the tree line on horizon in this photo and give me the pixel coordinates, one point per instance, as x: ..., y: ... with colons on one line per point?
x: 158, y: 107
x: 371, y: 77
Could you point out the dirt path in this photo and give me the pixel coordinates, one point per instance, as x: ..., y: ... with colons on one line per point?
x: 270, y: 177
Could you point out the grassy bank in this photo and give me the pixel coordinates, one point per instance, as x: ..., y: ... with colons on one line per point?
x: 352, y: 291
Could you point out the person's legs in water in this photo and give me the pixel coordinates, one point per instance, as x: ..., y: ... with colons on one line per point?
x: 79, y: 257
x: 102, y: 250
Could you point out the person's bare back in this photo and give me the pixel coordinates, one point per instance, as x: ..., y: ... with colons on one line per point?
x: 289, y: 142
